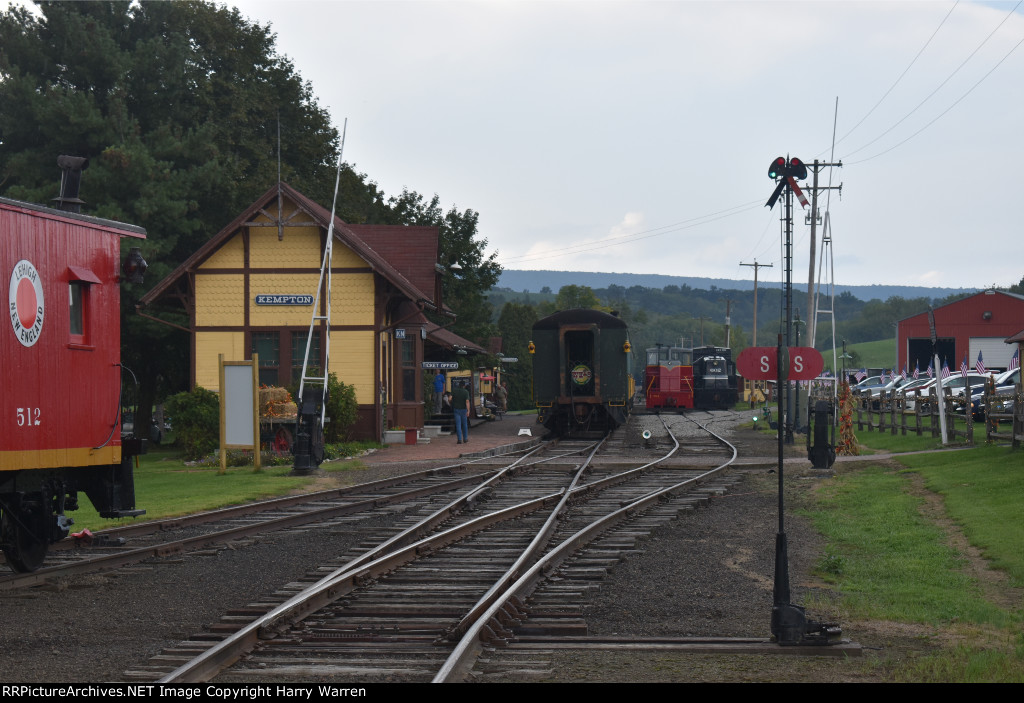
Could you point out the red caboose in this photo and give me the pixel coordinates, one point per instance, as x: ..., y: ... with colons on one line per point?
x: 668, y: 381
x: 60, y: 425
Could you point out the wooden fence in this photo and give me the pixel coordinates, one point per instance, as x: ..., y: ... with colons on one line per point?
x: 1004, y: 416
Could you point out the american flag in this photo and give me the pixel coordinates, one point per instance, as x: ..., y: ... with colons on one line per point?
x: 1015, y: 360
x: 904, y: 372
x: 930, y: 371
x: 980, y: 365
x: 861, y: 375
x: 883, y: 376
x: 945, y: 369
x: 917, y: 370
x: 963, y: 367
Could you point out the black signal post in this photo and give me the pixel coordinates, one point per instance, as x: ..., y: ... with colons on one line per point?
x: 789, y: 625
x: 787, y: 172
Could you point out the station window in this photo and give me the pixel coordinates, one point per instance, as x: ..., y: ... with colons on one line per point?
x: 409, y: 370
x: 268, y: 346
x: 299, y: 353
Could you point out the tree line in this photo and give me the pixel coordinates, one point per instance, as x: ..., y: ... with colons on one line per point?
x: 178, y: 107
x: 683, y: 316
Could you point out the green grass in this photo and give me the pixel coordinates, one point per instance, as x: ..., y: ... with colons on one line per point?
x: 983, y: 492
x: 878, y: 354
x: 886, y: 442
x: 166, y: 487
x: 890, y: 561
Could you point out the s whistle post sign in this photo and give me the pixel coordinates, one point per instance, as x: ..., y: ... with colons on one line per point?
x: 758, y: 363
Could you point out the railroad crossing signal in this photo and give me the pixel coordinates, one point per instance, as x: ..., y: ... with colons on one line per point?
x: 787, y: 173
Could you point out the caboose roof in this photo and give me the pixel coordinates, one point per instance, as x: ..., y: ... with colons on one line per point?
x: 37, y: 210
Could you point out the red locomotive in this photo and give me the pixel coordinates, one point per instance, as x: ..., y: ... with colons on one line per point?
x: 60, y: 407
x: 668, y: 381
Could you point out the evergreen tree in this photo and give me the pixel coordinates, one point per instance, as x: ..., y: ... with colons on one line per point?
x: 177, y: 105
x: 516, y: 326
x: 464, y: 289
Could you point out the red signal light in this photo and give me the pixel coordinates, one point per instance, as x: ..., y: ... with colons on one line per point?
x: 797, y: 169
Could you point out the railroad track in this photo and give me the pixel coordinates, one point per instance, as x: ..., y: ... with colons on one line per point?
x: 122, y: 546
x: 423, y: 603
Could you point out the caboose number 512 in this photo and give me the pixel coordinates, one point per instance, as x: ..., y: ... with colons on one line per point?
x: 60, y: 365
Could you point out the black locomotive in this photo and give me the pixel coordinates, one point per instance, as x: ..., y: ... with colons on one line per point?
x: 714, y: 378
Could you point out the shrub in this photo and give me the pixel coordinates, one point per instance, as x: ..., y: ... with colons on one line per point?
x: 342, y: 410
x: 196, y: 421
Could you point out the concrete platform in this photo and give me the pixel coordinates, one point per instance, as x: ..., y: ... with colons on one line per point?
x: 485, y: 438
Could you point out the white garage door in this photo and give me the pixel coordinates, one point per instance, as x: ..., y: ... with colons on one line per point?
x: 996, y: 353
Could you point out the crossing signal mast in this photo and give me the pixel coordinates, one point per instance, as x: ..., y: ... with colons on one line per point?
x: 789, y: 623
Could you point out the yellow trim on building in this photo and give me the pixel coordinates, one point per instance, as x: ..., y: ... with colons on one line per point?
x: 208, y: 346
x: 343, y: 257
x: 231, y: 255
x: 220, y: 300
x: 352, y: 354
x: 352, y: 299
x: 299, y: 247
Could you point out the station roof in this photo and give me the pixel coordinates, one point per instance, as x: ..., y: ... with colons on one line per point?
x: 407, y: 261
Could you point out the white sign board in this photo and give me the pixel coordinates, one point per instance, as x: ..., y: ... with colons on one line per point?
x: 238, y: 394
x: 239, y: 408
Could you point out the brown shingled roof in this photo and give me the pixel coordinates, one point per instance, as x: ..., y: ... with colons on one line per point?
x: 413, y: 250
x: 446, y: 338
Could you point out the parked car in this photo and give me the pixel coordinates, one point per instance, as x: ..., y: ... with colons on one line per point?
x: 866, y: 384
x: 916, y: 390
x: 1005, y: 383
x: 920, y: 390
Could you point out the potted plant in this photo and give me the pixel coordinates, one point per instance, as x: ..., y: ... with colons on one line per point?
x: 396, y: 435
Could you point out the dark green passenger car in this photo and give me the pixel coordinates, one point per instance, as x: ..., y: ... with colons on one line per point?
x: 581, y: 371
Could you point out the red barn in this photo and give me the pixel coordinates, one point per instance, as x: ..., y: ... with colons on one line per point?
x: 976, y: 324
x: 60, y: 364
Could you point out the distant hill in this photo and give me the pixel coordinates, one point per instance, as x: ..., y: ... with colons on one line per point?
x: 533, y: 281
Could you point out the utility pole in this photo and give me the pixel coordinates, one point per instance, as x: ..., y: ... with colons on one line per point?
x: 728, y: 303
x: 756, y: 266
x: 813, y: 218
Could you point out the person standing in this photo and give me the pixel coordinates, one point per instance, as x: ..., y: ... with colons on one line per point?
x: 502, y: 398
x: 460, y: 408
x: 438, y: 391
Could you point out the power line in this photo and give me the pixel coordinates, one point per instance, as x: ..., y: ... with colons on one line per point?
x: 943, y: 113
x: 900, y: 78
x: 939, y: 87
x: 637, y: 236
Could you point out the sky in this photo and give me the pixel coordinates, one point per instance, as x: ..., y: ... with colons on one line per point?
x: 637, y: 136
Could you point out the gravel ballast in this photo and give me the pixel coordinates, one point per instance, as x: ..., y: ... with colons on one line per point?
x: 706, y: 573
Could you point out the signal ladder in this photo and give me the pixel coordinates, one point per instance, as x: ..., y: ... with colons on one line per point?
x: 309, y: 422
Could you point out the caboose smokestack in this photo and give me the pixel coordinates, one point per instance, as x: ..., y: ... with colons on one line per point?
x: 71, y: 182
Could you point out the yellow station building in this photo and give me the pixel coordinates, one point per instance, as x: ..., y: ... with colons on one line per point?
x: 251, y: 288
